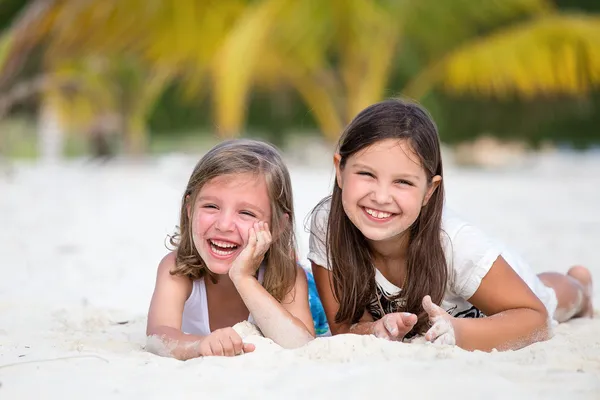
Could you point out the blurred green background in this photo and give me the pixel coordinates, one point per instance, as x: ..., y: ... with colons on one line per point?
x: 149, y: 76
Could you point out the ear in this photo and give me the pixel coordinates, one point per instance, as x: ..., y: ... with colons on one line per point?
x: 338, y: 171
x: 435, y: 182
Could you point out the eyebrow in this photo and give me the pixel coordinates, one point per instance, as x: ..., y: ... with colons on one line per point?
x: 411, y: 176
x: 242, y: 204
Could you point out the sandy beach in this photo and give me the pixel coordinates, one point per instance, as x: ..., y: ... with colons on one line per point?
x: 79, y: 246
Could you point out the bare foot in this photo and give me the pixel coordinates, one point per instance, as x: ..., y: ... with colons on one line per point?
x: 583, y: 276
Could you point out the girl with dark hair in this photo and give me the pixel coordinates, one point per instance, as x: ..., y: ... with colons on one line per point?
x: 389, y: 260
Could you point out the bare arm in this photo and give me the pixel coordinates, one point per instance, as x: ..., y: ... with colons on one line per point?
x: 516, y: 316
x: 323, y: 280
x: 288, y: 323
x: 165, y: 315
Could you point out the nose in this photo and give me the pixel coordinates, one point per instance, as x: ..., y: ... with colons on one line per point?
x: 225, y: 222
x: 381, y: 194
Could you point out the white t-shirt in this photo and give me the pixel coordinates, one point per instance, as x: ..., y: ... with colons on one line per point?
x: 469, y: 255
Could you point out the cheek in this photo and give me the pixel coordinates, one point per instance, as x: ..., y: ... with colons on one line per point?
x: 243, y: 227
x: 410, y: 200
x: 354, y: 190
x: 201, y: 223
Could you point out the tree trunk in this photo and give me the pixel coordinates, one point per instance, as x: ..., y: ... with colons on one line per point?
x: 136, y: 137
x: 50, y: 133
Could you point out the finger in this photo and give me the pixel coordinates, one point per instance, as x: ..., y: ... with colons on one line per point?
x: 268, y: 236
x: 380, y: 331
x: 263, y: 242
x: 447, y: 338
x: 431, y: 309
x: 237, y: 342
x: 204, y: 349
x: 248, y: 347
x: 251, y: 238
x: 215, y: 348
x: 391, y: 325
x: 260, y: 233
x: 399, y: 324
x: 438, y: 329
x: 228, y: 347
x: 408, y: 319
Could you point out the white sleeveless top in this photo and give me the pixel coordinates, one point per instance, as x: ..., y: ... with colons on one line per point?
x: 195, y: 311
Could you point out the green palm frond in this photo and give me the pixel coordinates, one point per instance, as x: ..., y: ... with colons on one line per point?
x: 436, y: 26
x: 557, y: 54
x: 234, y: 66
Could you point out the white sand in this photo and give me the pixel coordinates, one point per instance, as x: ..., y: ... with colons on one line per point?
x: 79, y: 245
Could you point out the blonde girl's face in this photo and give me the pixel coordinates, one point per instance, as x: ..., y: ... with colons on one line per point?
x: 225, y: 209
x: 384, y: 188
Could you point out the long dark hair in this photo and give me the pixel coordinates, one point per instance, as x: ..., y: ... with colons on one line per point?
x: 348, y: 250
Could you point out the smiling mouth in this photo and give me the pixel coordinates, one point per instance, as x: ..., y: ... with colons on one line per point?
x: 378, y: 215
x: 222, y: 248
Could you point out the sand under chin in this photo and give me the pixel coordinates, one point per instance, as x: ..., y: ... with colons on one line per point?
x: 80, y: 244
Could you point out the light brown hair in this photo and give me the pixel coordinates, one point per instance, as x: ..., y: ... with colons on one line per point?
x: 236, y: 157
x: 350, y: 257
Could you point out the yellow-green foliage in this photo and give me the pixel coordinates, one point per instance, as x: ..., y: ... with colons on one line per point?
x: 337, y: 54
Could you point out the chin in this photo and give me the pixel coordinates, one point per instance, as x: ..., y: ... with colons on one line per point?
x: 378, y: 235
x: 218, y: 269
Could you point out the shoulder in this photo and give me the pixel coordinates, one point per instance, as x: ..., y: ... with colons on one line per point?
x: 165, y: 268
x: 168, y: 262
x: 459, y: 236
x: 317, y: 245
x: 469, y: 253
x: 320, y: 213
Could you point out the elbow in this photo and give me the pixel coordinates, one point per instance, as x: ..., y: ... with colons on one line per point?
x: 541, y: 326
x: 297, y: 342
x: 158, y: 344
x: 160, y: 341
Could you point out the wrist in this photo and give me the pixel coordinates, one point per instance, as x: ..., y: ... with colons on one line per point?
x: 239, y: 279
x: 362, y: 328
x: 458, y: 327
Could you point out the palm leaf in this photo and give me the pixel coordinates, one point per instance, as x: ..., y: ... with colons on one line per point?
x: 234, y: 66
x: 557, y: 54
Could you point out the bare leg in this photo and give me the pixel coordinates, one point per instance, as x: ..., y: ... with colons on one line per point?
x: 573, y: 292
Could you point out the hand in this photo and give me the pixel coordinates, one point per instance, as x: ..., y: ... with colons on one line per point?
x: 394, y: 326
x: 442, y: 324
x: 248, y: 261
x: 224, y: 342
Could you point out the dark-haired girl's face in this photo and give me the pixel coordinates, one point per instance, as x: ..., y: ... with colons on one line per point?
x: 384, y: 188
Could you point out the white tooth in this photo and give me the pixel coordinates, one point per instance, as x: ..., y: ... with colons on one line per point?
x: 222, y: 252
x: 222, y: 244
x: 377, y: 214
